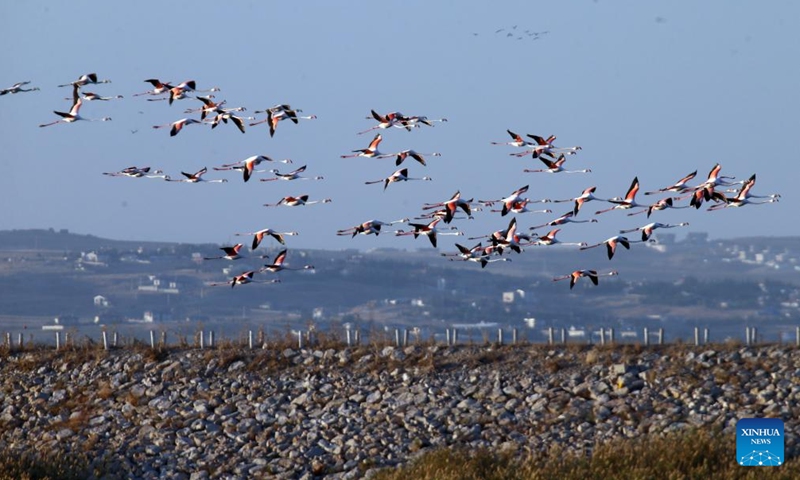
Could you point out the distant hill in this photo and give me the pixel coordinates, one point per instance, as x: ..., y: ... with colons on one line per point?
x: 61, y: 240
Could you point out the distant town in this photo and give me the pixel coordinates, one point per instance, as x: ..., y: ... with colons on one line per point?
x: 54, y: 280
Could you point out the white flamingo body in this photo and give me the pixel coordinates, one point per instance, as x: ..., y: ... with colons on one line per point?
x: 18, y: 88
x: 370, y: 227
x: 178, y: 125
x: 429, y: 230
x: 556, y: 166
x: 196, y: 177
x: 398, y: 176
x: 647, y: 230
x: 292, y: 201
x: 590, y: 274
x: 293, y: 175
x: 568, y: 217
x: 263, y: 233
x: 74, y: 113
x: 136, y: 172
x: 278, y: 264
x: 627, y: 202
x: 231, y: 253
x: 85, y: 80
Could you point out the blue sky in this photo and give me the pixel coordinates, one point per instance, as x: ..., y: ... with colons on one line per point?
x: 648, y: 89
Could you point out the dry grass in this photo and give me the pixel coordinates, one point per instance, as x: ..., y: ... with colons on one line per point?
x: 694, y: 454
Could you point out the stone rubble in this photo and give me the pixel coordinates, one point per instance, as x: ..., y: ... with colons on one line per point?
x: 237, y: 414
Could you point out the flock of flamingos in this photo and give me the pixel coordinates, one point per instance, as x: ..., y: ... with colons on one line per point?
x: 717, y: 190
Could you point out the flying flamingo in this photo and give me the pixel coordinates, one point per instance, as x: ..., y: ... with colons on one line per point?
x: 293, y: 175
x: 242, y: 279
x: 478, y: 254
x: 17, y: 88
x: 544, y: 146
x: 369, y: 227
x: 398, y: 176
x: 259, y: 236
x: 509, y: 238
x: 590, y: 274
x: 136, y: 172
x: 85, y: 80
x: 751, y: 182
x: 586, y: 196
x: 568, y: 217
x: 384, y: 121
x: 509, y: 201
x: 273, y: 118
x: 89, y: 96
x: 176, y: 126
x: 416, y: 120
x: 517, y: 141
x: 231, y: 253
x: 73, y: 115
x: 249, y: 164
x: 662, y: 204
x: 678, y: 187
x: 370, y: 152
x: 224, y: 116
x: 158, y: 87
x: 196, y: 177
x: 647, y: 230
x: 520, y: 206
x: 555, y: 166
x: 743, y: 197
x: 450, y: 206
x: 209, y: 107
x: 626, y: 203
x: 413, y: 154
x: 428, y: 230
x: 706, y: 190
x: 296, y: 201
x: 611, y: 244
x: 278, y: 264
x: 550, y: 239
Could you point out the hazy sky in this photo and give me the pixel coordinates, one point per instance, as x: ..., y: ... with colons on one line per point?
x: 648, y: 89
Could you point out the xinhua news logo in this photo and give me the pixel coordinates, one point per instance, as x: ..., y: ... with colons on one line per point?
x: 759, y: 442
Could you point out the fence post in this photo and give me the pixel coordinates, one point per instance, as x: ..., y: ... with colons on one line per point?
x: 549, y: 335
x: 602, y: 336
x: 405, y: 337
x: 797, y: 334
x: 754, y: 335
x: 397, y: 337
x: 455, y: 336
x: 19, y: 342
x: 747, y: 336
x: 705, y: 335
x: 152, y: 340
x: 611, y: 335
x: 105, y: 340
x: 348, y: 334
x: 646, y: 335
x: 661, y: 336
x: 66, y: 339
x: 58, y: 341
x: 114, y: 339
x: 163, y: 338
x: 250, y: 339
x: 299, y: 340
x: 211, y: 339
x: 513, y: 336
x: 202, y: 339
x: 447, y: 336
x: 8, y: 341
x: 499, y: 336
x: 696, y: 336
x: 563, y: 336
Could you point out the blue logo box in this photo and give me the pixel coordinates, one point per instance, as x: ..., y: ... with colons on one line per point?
x: 759, y: 442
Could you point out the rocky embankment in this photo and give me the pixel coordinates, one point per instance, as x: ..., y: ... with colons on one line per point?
x: 229, y: 413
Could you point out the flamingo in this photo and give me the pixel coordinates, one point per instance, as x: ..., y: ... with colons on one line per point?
x: 517, y: 141
x: 293, y: 175
x: 368, y: 227
x: 384, y: 121
x: 743, y: 197
x: 89, y: 96
x: 520, y: 206
x: 478, y: 254
x: 706, y: 190
x: 509, y: 201
x: 428, y: 230
x: 416, y: 120
x: 275, y: 117
x: 679, y: 186
x: 73, y: 115
x: 550, y: 239
x: 177, y: 126
x: 261, y: 234
x: 196, y: 177
x: 413, y: 154
x: 590, y: 274
x: 751, y: 182
x: 509, y: 238
x: 224, y: 116
x: 85, y: 80
x: 544, y: 146
x: 568, y: 217
x: 647, y: 230
x: 296, y: 201
x: 278, y: 264
x: 136, y: 172
x: 231, y: 253
x: 209, y: 106
x: 370, y: 152
x: 158, y: 87
x: 662, y: 204
x: 17, y: 88
x: 450, y: 206
x: 249, y: 164
x: 242, y: 279
x: 611, y: 244
x: 398, y: 176
x: 586, y: 196
x: 626, y: 203
x: 555, y: 166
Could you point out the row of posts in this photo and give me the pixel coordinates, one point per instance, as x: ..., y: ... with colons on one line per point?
x: 353, y: 337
